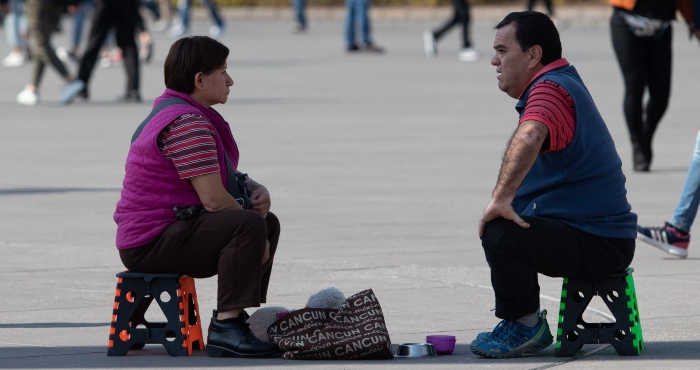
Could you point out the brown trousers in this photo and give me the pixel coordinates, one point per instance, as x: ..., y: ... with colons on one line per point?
x: 228, y: 243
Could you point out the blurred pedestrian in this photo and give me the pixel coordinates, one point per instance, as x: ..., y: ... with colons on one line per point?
x: 299, y: 7
x: 357, y: 11
x: 547, y: 3
x: 461, y: 16
x: 43, y: 17
x: 183, y: 7
x: 120, y: 15
x: 642, y: 38
x: 674, y: 236
x: 16, y: 32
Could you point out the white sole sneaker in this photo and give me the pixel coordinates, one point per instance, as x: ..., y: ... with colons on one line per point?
x: 668, y: 248
x: 468, y: 55
x: 27, y: 97
x: 429, y: 44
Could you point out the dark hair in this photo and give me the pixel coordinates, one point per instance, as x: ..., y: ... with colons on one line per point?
x: 535, y: 28
x: 189, y: 56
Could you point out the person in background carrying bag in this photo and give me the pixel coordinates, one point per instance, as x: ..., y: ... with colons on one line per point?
x: 642, y: 38
x: 184, y: 157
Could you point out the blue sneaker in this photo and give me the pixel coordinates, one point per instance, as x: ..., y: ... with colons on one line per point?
x: 71, y: 91
x: 667, y: 237
x: 512, y: 339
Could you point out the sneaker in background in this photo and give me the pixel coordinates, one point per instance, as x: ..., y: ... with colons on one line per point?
x: 667, y: 237
x: 14, y: 59
x: 62, y: 54
x: 145, y: 47
x: 28, y: 96
x: 371, y: 48
x: 71, y: 91
x: 178, y: 31
x: 429, y: 44
x: 468, y: 55
x: 512, y: 339
x: 216, y: 31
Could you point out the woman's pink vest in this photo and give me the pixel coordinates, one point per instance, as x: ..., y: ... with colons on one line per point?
x: 152, y: 186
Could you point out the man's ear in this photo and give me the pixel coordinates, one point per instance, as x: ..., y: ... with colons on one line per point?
x: 199, y: 80
x: 535, y: 55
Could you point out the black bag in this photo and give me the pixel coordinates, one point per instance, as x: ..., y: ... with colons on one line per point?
x: 236, y: 186
x: 356, y: 331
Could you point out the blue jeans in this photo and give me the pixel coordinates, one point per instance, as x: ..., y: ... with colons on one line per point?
x: 357, y: 9
x: 84, y: 7
x: 687, y: 207
x: 15, y: 25
x: 300, y: 12
x: 183, y: 7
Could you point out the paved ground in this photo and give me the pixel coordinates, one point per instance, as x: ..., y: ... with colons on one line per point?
x: 379, y: 167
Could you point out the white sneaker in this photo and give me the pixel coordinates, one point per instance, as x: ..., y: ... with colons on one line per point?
x: 27, y: 97
x: 468, y: 55
x: 429, y: 43
x: 14, y: 59
x: 216, y: 31
x: 62, y: 54
x: 178, y: 31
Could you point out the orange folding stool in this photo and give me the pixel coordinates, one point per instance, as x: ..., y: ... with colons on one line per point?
x: 176, y: 297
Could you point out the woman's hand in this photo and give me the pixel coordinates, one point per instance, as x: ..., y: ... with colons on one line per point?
x: 260, y: 199
x: 266, y: 253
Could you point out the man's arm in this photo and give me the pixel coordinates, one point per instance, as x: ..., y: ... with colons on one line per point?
x: 521, y: 153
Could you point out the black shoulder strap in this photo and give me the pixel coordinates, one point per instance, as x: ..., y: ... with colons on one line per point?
x: 164, y: 104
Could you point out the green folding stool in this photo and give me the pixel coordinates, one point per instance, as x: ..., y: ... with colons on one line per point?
x: 618, y: 293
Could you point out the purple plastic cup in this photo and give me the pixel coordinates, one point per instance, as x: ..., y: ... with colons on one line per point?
x: 443, y: 344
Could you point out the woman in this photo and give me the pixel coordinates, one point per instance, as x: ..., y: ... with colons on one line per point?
x: 182, y: 159
x: 642, y: 38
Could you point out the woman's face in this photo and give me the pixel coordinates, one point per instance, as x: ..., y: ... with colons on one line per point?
x: 216, y: 86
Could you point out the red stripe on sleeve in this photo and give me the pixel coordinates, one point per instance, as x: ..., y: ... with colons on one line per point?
x: 552, y: 105
x: 189, y: 142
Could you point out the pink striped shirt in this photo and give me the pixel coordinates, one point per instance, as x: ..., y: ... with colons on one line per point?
x: 189, y: 142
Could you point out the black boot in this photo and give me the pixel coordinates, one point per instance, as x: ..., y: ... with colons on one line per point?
x: 233, y: 338
x: 640, y: 157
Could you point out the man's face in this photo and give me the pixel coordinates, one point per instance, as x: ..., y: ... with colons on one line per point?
x: 512, y: 64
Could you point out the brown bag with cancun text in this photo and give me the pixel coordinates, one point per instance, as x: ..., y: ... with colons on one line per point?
x: 355, y: 331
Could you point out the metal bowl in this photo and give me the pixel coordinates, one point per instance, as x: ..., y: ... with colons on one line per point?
x: 412, y: 350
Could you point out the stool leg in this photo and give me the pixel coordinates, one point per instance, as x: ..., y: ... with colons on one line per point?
x: 129, y: 298
x: 625, y: 337
x: 576, y: 295
x: 170, y: 335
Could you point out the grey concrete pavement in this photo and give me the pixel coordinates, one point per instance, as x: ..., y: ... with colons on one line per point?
x: 379, y: 168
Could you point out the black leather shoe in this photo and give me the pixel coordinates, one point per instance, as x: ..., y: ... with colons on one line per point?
x: 233, y: 338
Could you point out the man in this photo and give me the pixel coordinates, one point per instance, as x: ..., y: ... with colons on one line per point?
x: 559, y: 207
x: 122, y: 16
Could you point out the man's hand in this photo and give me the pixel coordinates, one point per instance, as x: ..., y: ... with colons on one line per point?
x: 260, y: 199
x: 500, y: 209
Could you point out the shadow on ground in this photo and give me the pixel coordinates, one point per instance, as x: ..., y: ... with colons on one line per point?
x: 84, y: 357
